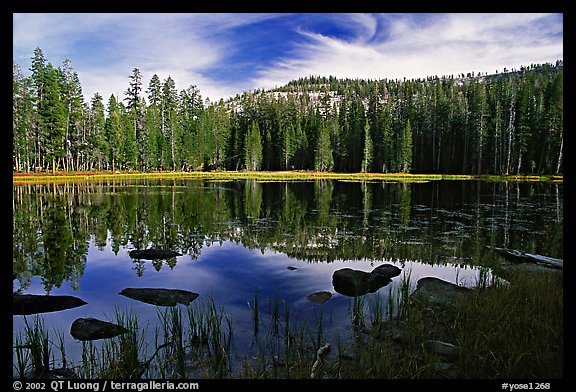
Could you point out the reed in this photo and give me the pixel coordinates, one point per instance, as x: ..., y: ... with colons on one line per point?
x: 22, y: 357
x: 512, y: 330
x: 38, y: 344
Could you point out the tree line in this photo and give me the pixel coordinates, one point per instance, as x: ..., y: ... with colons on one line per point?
x: 505, y: 123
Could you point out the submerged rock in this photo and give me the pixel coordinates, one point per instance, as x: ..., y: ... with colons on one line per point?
x: 25, y: 304
x: 160, y: 297
x: 93, y: 329
x: 438, y: 292
x: 319, y: 297
x: 153, y: 254
x: 354, y: 283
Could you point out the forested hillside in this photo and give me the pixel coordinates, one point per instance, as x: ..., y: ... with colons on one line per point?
x: 506, y: 123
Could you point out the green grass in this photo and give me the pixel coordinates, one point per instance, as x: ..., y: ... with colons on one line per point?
x: 23, y: 178
x: 513, y: 331
x: 504, y: 331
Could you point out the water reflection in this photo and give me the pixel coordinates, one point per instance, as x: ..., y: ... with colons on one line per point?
x: 317, y: 221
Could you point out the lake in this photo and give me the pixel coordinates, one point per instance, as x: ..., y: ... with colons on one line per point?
x: 249, y: 245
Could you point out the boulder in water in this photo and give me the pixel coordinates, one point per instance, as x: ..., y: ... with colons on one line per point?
x: 94, y: 329
x: 160, y: 297
x: 25, y: 304
x: 354, y: 283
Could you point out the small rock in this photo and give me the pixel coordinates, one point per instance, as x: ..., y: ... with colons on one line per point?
x: 93, y: 329
x: 319, y: 297
x: 291, y: 268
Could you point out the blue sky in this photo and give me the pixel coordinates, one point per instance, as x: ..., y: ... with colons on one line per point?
x: 226, y: 54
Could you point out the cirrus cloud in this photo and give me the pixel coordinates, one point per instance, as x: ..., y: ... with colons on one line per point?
x: 226, y: 54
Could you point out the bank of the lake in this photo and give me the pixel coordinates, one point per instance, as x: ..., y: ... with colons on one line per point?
x: 293, y: 175
x: 510, y: 330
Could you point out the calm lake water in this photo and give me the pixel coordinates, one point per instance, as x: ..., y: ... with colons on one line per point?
x: 238, y: 238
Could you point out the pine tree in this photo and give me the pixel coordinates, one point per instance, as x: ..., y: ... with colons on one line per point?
x: 253, y: 148
x: 97, y: 137
x: 72, y: 101
x: 324, y: 161
x: 368, y: 149
x: 406, y: 157
x: 39, y: 70
x: 23, y: 120
x: 135, y: 111
x: 153, y: 121
x: 169, y: 123
x: 114, y: 132
x: 52, y: 118
x: 387, y: 150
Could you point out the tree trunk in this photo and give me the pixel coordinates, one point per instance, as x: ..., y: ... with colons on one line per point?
x: 510, y: 135
x: 560, y: 156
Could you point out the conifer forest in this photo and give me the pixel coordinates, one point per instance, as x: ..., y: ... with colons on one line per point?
x: 509, y: 122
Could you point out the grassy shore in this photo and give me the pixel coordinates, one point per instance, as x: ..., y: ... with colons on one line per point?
x: 61, y: 176
x: 503, y: 331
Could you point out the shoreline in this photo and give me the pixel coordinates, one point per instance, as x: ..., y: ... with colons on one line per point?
x: 60, y: 176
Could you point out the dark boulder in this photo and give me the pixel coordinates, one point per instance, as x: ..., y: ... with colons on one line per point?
x: 160, y: 297
x: 25, y: 304
x: 153, y: 254
x: 93, y: 329
x: 354, y: 283
x: 438, y: 292
x: 386, y: 270
x: 351, y: 282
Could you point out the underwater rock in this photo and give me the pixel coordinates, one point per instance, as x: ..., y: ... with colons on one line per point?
x: 94, y: 329
x: 438, y: 292
x: 25, y: 304
x: 160, y: 297
x: 153, y: 254
x: 354, y: 283
x: 319, y: 297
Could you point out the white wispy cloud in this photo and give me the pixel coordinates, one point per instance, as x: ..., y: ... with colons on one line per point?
x: 410, y: 47
x: 104, y: 48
